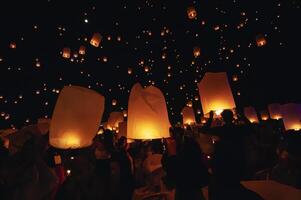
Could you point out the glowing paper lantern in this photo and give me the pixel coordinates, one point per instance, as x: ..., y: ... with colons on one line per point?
x: 125, y: 113
x: 215, y: 93
x: 291, y: 114
x: 264, y: 115
x: 251, y: 114
x: 275, y: 111
x: 114, y: 102
x: 260, y: 40
x: 188, y: 115
x: 196, y: 51
x: 147, y: 114
x: 82, y: 50
x: 114, y: 119
x: 12, y: 45
x: 77, y: 114
x: 66, y: 52
x: 96, y: 39
x: 191, y: 12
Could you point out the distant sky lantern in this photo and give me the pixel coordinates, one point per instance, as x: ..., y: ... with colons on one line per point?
x: 189, y: 104
x: 196, y: 51
x: 76, y: 117
x: 66, y: 52
x: 251, y: 114
x: 114, y: 102
x: 188, y: 116
x: 264, y: 115
x: 125, y: 113
x: 191, y: 12
x: 291, y: 115
x: 146, y: 69
x: 75, y: 54
x: 147, y: 114
x: 114, y: 119
x: 215, y: 93
x: 105, y: 59
x: 82, y: 50
x: 96, y: 39
x: 130, y: 71
x: 275, y: 111
x: 12, y: 45
x: 235, y: 78
x: 260, y: 40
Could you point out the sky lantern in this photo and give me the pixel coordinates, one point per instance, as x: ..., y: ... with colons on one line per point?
x: 96, y: 39
x: 114, y: 119
x: 291, y: 114
x: 146, y: 69
x: 260, y: 40
x: 147, y: 114
x: 13, y: 45
x: 235, y: 78
x: 196, y: 51
x: 82, y: 50
x: 188, y: 115
x: 189, y: 104
x: 191, y: 12
x: 264, y: 115
x: 215, y: 93
x: 76, y: 117
x: 125, y: 113
x: 251, y: 114
x: 114, y: 102
x: 130, y: 71
x: 275, y: 111
x: 66, y: 52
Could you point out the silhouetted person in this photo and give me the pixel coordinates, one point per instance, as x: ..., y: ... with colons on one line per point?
x: 185, y: 170
x: 228, y: 163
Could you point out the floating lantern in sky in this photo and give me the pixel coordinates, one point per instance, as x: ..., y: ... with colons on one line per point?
x: 291, y: 114
x: 251, y: 114
x: 12, y: 45
x: 188, y: 115
x: 77, y: 114
x: 146, y: 69
x: 196, y: 51
x: 215, y: 93
x: 130, y: 71
x: 235, y: 78
x: 114, y: 119
x: 66, y: 52
x: 114, y: 102
x: 96, y: 39
x: 191, y: 12
x: 125, y: 113
x: 82, y: 50
x: 147, y: 114
x: 260, y: 40
x: 189, y: 104
x: 275, y: 111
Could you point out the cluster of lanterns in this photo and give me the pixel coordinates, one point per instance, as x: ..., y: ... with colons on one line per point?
x: 78, y: 113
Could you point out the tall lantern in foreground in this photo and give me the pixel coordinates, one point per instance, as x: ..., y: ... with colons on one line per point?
x: 147, y: 114
x: 114, y: 119
x: 215, y: 93
x: 275, y: 111
x: 77, y: 114
x: 188, y: 115
x: 96, y: 39
x: 291, y: 114
x: 251, y: 114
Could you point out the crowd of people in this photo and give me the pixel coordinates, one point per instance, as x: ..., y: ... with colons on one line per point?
x: 173, y: 168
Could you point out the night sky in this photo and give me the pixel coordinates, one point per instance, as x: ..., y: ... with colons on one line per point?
x: 140, y: 34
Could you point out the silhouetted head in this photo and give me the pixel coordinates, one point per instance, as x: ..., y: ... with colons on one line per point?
x: 227, y: 116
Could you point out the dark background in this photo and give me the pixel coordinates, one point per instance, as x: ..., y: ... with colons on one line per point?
x: 273, y: 74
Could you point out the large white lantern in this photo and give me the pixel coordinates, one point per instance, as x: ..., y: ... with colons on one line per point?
x: 114, y: 119
x: 188, y: 115
x: 291, y: 114
x: 76, y: 117
x: 215, y: 93
x: 275, y: 111
x: 147, y: 114
x: 251, y: 114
